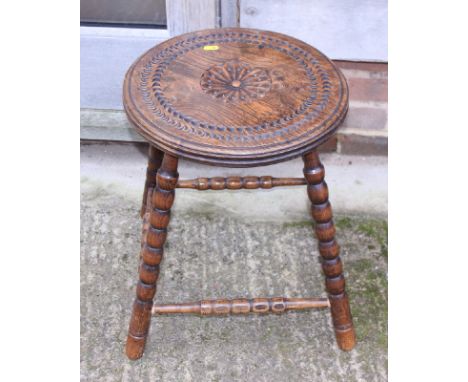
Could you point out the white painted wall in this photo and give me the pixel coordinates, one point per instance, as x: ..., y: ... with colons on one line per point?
x: 106, y: 54
x: 346, y: 29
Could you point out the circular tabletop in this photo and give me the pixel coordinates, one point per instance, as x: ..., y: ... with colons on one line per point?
x: 235, y: 97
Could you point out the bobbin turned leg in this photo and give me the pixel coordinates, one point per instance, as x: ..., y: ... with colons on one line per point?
x: 317, y: 190
x: 155, y: 157
x: 151, y: 255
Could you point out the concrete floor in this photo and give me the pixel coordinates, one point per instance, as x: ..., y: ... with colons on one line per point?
x: 358, y: 184
x: 224, y: 252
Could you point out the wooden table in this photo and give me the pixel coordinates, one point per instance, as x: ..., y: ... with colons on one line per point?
x: 234, y: 97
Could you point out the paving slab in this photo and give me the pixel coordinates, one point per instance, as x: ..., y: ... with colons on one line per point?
x: 218, y: 253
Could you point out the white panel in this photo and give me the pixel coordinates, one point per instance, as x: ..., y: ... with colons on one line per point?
x: 351, y: 29
x: 106, y: 54
x: 190, y: 15
x: 229, y: 13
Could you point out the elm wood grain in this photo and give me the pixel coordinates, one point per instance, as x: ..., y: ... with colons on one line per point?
x: 235, y: 97
x: 238, y: 182
x: 242, y: 306
x: 317, y: 189
x: 151, y: 255
x: 155, y: 157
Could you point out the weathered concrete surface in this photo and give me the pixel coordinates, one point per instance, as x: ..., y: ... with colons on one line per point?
x: 216, y: 254
x: 358, y: 184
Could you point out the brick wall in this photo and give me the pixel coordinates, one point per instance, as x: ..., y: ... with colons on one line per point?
x: 364, y: 131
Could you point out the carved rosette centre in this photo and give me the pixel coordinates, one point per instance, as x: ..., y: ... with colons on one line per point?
x: 236, y: 81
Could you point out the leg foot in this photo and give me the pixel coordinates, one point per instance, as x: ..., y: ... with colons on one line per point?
x: 151, y: 255
x: 317, y: 190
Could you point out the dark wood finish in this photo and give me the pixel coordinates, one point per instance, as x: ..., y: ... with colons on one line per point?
x: 235, y: 97
x: 317, y: 189
x: 239, y: 98
x: 242, y: 306
x: 238, y: 182
x: 155, y: 157
x: 146, y: 216
x: 151, y: 255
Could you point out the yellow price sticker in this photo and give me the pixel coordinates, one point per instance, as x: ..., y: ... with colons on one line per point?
x: 211, y: 47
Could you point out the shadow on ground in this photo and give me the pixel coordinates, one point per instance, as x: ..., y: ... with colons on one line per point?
x: 209, y: 256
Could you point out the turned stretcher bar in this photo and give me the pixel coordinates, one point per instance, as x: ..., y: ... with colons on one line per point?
x: 242, y: 306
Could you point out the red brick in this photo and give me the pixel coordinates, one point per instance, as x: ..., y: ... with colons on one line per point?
x: 366, y: 66
x: 361, y: 145
x: 366, y: 118
x: 329, y: 146
x: 368, y: 89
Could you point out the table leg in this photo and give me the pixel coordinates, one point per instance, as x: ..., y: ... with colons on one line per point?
x: 151, y: 255
x: 155, y: 157
x: 317, y: 190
